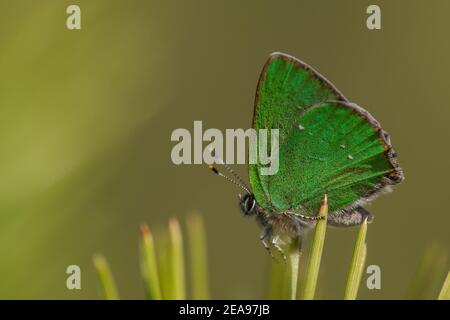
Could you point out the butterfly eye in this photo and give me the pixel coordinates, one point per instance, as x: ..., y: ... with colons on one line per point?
x: 250, y: 204
x: 247, y: 204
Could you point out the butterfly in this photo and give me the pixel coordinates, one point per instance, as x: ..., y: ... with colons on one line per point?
x: 328, y: 147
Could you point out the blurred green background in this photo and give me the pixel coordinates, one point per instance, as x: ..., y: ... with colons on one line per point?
x: 86, y: 118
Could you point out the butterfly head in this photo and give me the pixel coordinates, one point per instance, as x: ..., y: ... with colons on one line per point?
x: 247, y: 203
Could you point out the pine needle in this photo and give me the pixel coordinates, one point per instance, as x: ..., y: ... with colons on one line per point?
x: 106, y: 279
x: 357, y: 264
x: 149, y: 269
x: 294, y: 261
x: 445, y: 291
x: 197, y: 256
x: 312, y: 271
x: 176, y: 259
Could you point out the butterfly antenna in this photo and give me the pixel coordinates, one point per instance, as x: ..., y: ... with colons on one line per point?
x: 235, y: 175
x: 239, y: 184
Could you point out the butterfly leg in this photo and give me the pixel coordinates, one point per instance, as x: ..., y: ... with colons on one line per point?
x: 264, y: 236
x: 276, y: 241
x: 280, y: 250
x: 267, y: 247
x: 308, y: 218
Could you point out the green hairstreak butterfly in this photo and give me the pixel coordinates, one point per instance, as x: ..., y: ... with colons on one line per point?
x: 327, y: 146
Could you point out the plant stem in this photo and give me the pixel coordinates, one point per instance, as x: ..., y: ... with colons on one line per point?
x: 445, y: 291
x: 312, y: 271
x: 357, y: 264
x: 176, y: 259
x: 106, y: 279
x: 149, y: 267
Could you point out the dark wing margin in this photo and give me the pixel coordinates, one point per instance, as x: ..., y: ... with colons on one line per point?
x: 342, y: 217
x: 396, y: 175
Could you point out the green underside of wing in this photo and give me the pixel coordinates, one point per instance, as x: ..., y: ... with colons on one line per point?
x: 338, y: 153
x: 335, y: 151
x: 286, y: 88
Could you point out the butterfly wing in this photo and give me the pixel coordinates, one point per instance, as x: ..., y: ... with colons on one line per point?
x: 326, y: 147
x: 286, y: 87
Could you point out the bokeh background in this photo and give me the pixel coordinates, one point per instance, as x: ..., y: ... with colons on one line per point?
x: 86, y: 118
